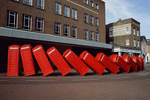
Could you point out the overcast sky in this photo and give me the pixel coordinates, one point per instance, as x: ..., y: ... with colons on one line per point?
x: 136, y: 9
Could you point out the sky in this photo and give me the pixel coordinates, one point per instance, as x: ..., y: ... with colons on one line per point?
x: 136, y: 9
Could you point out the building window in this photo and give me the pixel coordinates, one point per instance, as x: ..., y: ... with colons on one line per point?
x: 85, y: 18
x: 74, y: 14
x: 133, y: 31
x: 66, y: 30
x: 74, y: 32
x: 15, y: 0
x: 85, y: 34
x: 28, y: 2
x: 91, y: 35
x: 96, y: 22
x: 39, y: 24
x: 96, y: 36
x: 127, y: 42
x: 91, y: 20
x: 58, y: 8
x: 134, y: 42
x: 57, y: 28
x: 127, y: 29
x: 138, y: 34
x: 86, y: 1
x: 40, y: 4
x: 26, y: 22
x: 91, y: 4
x: 111, y: 42
x: 66, y: 11
x: 96, y: 6
x: 111, y: 32
x: 12, y: 19
x: 138, y: 44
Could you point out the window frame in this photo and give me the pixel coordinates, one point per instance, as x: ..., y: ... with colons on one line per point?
x: 57, y: 32
x: 91, y: 3
x: 66, y: 28
x: 41, y: 29
x: 127, y: 42
x: 74, y: 14
x: 85, y: 34
x: 15, y: 19
x: 91, y: 20
x: 28, y: 2
x: 96, y: 6
x: 85, y: 17
x: 134, y: 43
x: 133, y: 31
x: 91, y: 35
x: 29, y: 22
x: 96, y: 22
x: 138, y: 44
x: 96, y: 36
x: 74, y: 29
x: 66, y: 11
x: 86, y: 2
x: 58, y: 8
x: 111, y: 32
x: 38, y: 5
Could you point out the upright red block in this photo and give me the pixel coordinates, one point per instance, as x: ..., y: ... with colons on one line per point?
x: 110, y: 65
x: 42, y: 60
x: 27, y: 60
x: 13, y: 61
x: 127, y: 59
x: 95, y: 65
x: 76, y: 62
x: 141, y: 61
x: 135, y: 59
x: 58, y: 60
x: 119, y: 61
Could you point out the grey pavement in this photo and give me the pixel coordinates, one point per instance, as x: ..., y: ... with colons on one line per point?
x: 121, y: 86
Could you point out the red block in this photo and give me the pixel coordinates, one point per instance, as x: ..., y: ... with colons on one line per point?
x: 42, y: 60
x: 119, y: 61
x: 110, y: 65
x: 13, y: 68
x: 141, y: 61
x: 135, y: 59
x: 96, y: 66
x: 58, y: 60
x: 127, y: 59
x: 76, y: 62
x: 27, y: 60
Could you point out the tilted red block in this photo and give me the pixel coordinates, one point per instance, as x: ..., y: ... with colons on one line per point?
x: 127, y: 59
x: 27, y: 60
x: 135, y: 59
x: 95, y: 65
x: 42, y: 60
x: 119, y: 61
x: 58, y: 60
x: 13, y: 68
x: 76, y: 62
x: 110, y: 65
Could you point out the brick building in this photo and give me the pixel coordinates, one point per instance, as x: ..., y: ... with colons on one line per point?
x: 125, y: 36
x: 148, y: 51
x: 75, y: 24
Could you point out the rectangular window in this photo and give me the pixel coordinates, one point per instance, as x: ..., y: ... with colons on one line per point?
x: 40, y: 4
x: 74, y: 31
x: 26, y: 22
x: 96, y: 36
x: 85, y: 34
x: 138, y: 44
x: 28, y: 2
x: 134, y: 42
x: 85, y: 18
x: 66, y: 11
x: 127, y: 42
x: 39, y: 24
x: 91, y: 20
x: 66, y: 30
x: 57, y: 8
x: 74, y: 14
x: 96, y: 22
x: 133, y: 31
x: 86, y: 1
x: 127, y: 29
x: 12, y: 19
x: 96, y: 6
x: 138, y: 34
x: 111, y: 32
x: 91, y: 35
x: 57, y: 28
x: 91, y: 4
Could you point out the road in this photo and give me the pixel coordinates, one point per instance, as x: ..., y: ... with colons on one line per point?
x: 122, y: 86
